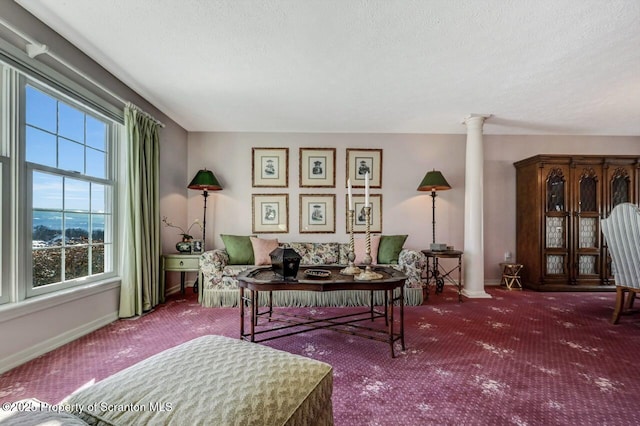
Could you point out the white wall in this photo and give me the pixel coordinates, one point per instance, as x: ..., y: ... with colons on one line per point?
x: 406, y: 159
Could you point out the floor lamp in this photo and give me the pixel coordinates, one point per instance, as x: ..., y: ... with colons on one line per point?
x: 434, y: 181
x: 205, y: 181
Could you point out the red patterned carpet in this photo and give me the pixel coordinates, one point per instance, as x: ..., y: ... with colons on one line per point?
x: 521, y: 358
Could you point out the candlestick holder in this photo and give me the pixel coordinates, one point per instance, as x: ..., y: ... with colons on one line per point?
x: 351, y: 268
x: 367, y: 274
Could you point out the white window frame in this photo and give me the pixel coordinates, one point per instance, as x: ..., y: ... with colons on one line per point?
x: 16, y: 70
x: 26, y: 211
x: 5, y: 234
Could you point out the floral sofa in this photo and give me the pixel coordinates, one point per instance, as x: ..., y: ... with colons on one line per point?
x: 219, y: 282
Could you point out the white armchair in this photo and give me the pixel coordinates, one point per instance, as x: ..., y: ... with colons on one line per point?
x: 622, y: 234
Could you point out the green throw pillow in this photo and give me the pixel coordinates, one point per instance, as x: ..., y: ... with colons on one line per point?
x: 239, y: 248
x: 390, y: 248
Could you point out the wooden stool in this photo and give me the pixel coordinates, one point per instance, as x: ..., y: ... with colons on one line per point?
x: 511, y: 275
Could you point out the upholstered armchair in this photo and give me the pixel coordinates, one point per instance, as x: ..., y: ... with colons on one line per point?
x: 622, y: 234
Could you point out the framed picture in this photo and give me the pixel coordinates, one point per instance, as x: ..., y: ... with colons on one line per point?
x: 270, y: 167
x: 317, y: 213
x: 317, y: 167
x: 361, y: 161
x: 270, y: 213
x: 359, y: 220
x: 196, y: 246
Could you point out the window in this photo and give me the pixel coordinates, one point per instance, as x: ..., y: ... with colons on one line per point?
x: 57, y: 155
x: 67, y: 151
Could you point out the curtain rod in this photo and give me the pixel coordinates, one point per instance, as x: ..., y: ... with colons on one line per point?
x: 35, y: 48
x: 146, y: 114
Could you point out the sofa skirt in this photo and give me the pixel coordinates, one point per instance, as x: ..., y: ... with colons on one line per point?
x: 230, y: 297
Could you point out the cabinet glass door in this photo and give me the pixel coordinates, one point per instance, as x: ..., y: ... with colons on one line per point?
x: 587, y: 225
x: 556, y: 191
x: 556, y: 223
x: 587, y: 242
x: 620, y: 188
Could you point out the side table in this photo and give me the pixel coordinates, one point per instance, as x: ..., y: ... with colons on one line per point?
x: 511, y: 275
x: 183, y: 263
x: 438, y: 273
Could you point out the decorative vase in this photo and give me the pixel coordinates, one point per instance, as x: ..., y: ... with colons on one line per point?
x: 184, y: 246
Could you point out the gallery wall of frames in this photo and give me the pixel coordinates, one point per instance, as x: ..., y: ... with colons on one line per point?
x: 316, y: 170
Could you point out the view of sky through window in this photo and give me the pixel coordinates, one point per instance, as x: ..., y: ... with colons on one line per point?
x: 61, y: 136
x: 68, y: 150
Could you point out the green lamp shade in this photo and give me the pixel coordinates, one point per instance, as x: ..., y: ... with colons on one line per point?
x: 434, y: 181
x: 205, y: 180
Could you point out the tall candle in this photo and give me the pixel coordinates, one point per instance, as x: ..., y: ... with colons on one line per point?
x: 350, y: 195
x: 366, y: 189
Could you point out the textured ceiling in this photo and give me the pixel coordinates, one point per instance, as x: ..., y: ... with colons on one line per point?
x: 382, y: 66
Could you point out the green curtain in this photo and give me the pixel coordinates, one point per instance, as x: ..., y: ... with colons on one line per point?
x: 140, y: 258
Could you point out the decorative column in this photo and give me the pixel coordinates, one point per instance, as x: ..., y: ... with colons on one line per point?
x: 473, y: 209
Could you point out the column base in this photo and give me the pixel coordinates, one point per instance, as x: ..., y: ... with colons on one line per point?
x: 479, y: 294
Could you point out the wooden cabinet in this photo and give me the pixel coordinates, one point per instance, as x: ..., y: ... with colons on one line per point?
x: 560, y: 200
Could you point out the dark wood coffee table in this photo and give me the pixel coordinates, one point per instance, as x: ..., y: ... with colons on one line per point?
x: 281, y: 323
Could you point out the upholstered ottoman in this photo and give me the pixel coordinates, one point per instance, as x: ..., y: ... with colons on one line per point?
x: 212, y: 380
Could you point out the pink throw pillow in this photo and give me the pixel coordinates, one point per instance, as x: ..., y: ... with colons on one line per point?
x: 261, y: 249
x: 360, y: 247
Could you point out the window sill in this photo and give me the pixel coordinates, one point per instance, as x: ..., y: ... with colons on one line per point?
x: 11, y: 311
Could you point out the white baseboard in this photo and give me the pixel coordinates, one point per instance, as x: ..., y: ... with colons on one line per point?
x: 48, y: 345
